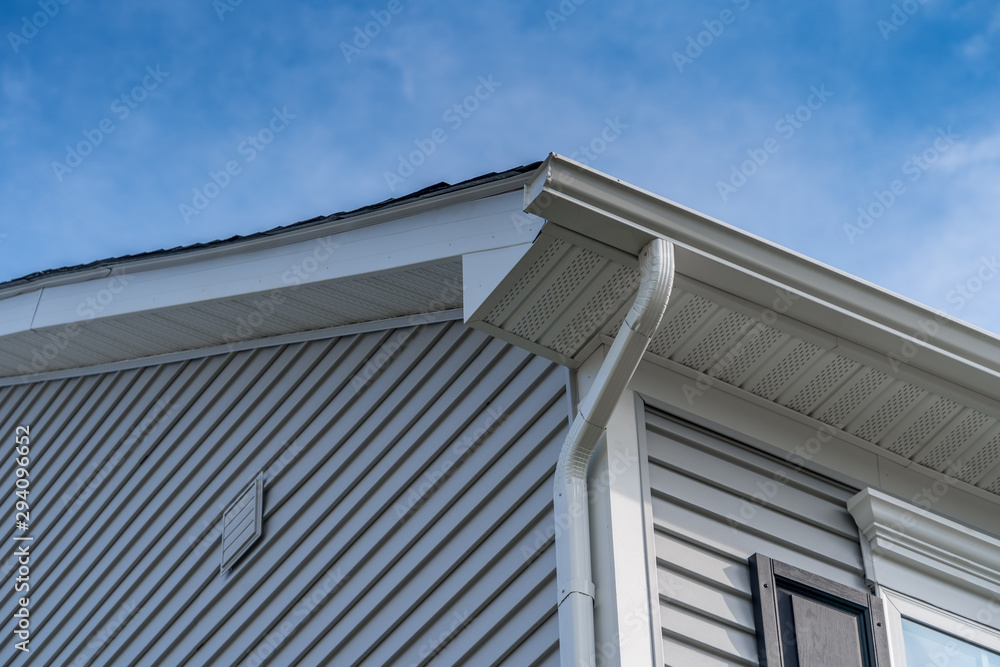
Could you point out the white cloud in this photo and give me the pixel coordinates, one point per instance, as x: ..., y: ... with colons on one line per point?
x: 972, y: 153
x: 966, y: 234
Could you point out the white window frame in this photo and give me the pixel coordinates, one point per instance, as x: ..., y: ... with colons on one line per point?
x: 899, y: 606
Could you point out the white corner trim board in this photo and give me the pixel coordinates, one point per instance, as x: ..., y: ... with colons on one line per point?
x: 930, y: 558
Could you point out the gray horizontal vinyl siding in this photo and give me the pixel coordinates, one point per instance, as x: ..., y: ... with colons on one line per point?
x: 715, y: 503
x: 407, y: 506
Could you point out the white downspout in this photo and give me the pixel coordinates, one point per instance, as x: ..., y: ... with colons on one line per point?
x: 576, y: 587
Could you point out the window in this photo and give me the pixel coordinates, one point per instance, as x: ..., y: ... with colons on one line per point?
x: 804, y: 620
x: 924, y: 636
x: 926, y: 646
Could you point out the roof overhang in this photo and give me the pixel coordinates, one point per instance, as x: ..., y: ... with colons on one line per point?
x: 384, y: 264
x: 769, y: 321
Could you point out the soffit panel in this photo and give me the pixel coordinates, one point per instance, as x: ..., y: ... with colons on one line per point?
x: 565, y: 296
x: 414, y: 291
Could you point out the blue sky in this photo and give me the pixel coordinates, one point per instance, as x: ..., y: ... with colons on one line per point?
x: 128, y: 127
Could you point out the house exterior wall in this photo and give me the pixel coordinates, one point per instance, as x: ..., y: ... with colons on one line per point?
x: 714, y: 503
x: 407, y: 505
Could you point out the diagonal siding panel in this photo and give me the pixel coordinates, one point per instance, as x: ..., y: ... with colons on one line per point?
x: 407, y: 505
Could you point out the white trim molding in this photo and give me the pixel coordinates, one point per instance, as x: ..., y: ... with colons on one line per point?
x: 930, y: 558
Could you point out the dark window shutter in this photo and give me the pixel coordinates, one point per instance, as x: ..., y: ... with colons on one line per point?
x: 804, y: 620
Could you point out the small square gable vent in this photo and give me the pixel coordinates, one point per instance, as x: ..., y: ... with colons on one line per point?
x: 242, y: 523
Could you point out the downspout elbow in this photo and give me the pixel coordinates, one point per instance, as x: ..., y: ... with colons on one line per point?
x: 575, y: 580
x: 656, y: 269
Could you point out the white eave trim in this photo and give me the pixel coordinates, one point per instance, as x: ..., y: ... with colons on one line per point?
x: 586, y: 201
x: 294, y: 234
x: 415, y: 236
x: 926, y: 556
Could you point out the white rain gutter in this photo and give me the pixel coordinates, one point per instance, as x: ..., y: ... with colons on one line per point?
x: 575, y: 579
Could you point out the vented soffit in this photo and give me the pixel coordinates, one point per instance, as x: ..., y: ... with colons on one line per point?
x: 752, y: 314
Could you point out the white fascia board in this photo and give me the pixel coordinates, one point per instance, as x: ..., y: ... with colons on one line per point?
x: 426, y: 237
x: 927, y: 556
x: 294, y: 234
x: 626, y: 217
x: 18, y: 313
x: 483, y: 271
